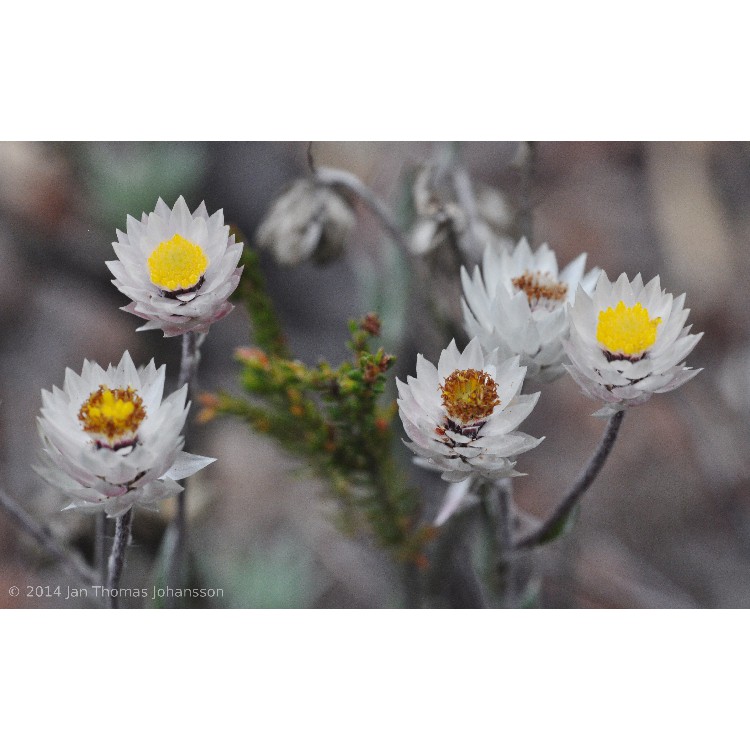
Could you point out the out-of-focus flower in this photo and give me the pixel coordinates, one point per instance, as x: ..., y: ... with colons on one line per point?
x: 179, y: 269
x: 435, y: 230
x: 483, y: 217
x: 628, y: 341
x: 110, y: 441
x: 439, y: 219
x: 516, y: 303
x: 494, y: 210
x: 307, y: 221
x: 461, y: 415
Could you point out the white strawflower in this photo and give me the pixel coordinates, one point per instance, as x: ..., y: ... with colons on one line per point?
x: 628, y: 341
x: 109, y: 441
x: 516, y: 303
x: 461, y: 415
x: 179, y: 269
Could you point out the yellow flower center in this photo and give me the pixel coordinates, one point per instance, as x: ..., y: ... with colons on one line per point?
x: 626, y: 330
x: 177, y: 264
x: 540, y: 288
x: 469, y: 395
x: 112, y: 413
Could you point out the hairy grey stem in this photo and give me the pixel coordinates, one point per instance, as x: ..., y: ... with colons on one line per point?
x: 496, y: 499
x: 189, y: 361
x: 505, y: 534
x: 117, y: 557
x: 528, y: 173
x: 505, y: 513
x: 175, y: 570
x: 451, y: 578
x: 584, y: 481
x: 100, y: 556
x: 339, y: 178
x: 191, y: 343
x: 69, y: 559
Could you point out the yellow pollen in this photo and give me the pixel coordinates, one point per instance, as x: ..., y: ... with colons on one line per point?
x: 626, y: 330
x: 177, y: 264
x: 113, y: 413
x: 540, y: 286
x: 469, y: 395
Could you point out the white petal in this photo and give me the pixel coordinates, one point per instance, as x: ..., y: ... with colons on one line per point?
x: 186, y: 465
x: 454, y: 498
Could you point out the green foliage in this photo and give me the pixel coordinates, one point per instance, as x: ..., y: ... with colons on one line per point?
x: 330, y: 416
x: 269, y: 335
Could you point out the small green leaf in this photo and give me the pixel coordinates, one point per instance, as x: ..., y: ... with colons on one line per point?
x: 563, y: 526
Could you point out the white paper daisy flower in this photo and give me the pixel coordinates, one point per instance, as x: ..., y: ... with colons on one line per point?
x: 628, y: 341
x: 516, y: 303
x: 461, y: 415
x: 110, y: 441
x: 179, y: 269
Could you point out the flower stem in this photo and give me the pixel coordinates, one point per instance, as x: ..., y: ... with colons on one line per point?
x: 123, y: 526
x: 68, y: 558
x: 505, y: 512
x: 191, y: 343
x: 546, y: 530
x: 100, y: 556
x: 338, y: 178
x: 496, y: 500
x: 505, y: 528
x: 451, y: 577
x: 189, y: 362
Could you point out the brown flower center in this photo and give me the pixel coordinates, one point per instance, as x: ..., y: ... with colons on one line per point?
x: 469, y: 395
x: 541, y: 289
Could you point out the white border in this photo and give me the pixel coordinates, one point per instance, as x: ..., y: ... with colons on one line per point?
x: 394, y: 71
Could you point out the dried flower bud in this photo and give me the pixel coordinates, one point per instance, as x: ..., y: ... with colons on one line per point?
x: 386, y: 361
x: 371, y: 324
x: 307, y: 221
x: 371, y: 372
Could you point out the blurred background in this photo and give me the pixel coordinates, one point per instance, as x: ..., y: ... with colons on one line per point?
x: 667, y: 523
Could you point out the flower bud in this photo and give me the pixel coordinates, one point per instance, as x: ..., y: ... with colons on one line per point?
x: 307, y: 221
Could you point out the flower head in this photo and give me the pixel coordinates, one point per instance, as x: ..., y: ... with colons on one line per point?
x: 461, y: 415
x: 179, y: 269
x: 516, y: 303
x: 110, y: 441
x: 628, y: 341
x: 307, y: 221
